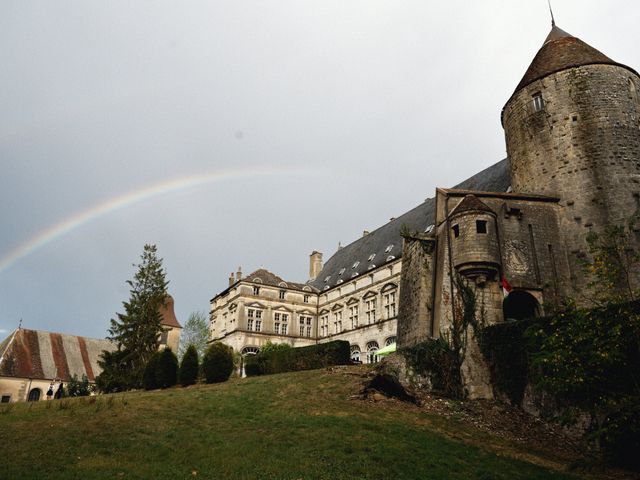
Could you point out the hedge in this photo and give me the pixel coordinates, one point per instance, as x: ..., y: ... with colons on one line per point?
x: 278, y: 360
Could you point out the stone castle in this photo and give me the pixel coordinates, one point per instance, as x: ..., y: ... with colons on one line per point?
x: 572, y: 131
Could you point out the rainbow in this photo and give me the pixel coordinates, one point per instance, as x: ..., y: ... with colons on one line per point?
x: 83, y: 217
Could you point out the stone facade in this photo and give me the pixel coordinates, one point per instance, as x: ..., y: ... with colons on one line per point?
x: 361, y: 310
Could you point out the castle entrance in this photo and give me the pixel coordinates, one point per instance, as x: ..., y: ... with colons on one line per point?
x: 520, y: 305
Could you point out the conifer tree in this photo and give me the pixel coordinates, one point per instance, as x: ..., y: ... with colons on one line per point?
x: 136, y: 332
x: 189, y: 367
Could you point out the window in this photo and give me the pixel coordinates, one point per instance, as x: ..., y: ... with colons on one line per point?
x: 250, y: 324
x: 355, y: 265
x: 306, y: 298
x: 6, y: 399
x: 327, y: 279
x: 389, y: 341
x: 324, y: 325
x: 388, y: 249
x: 390, y: 304
x: 372, y: 348
x: 341, y: 271
x: 256, y: 290
x: 355, y: 353
x: 371, y: 257
x: 284, y: 329
x: 281, y: 294
x: 353, y: 316
x: 456, y: 230
x: 305, y: 321
x: 538, y: 102
x: 254, y: 315
x: 308, y: 331
x: 258, y: 325
x: 34, y: 395
x: 164, y: 336
x: 337, y: 321
x: 276, y: 328
x: 370, y: 310
x: 481, y: 226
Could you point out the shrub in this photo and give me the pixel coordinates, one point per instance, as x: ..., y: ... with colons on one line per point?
x: 78, y: 388
x: 438, y: 360
x: 189, y: 367
x: 149, y: 380
x: 167, y: 369
x: 283, y: 358
x: 217, y: 363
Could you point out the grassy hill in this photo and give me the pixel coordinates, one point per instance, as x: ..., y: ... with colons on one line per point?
x: 304, y: 425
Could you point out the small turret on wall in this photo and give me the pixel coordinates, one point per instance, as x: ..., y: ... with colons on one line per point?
x: 475, y: 253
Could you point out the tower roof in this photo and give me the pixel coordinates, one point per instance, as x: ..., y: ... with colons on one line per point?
x: 561, y: 51
x: 470, y: 203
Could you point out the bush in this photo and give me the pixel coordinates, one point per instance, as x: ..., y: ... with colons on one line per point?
x: 283, y: 358
x: 507, y: 348
x: 217, y: 363
x: 438, y: 360
x: 189, y: 367
x: 167, y: 369
x: 78, y: 388
x: 149, y: 381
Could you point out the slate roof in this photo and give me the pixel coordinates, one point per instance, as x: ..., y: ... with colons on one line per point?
x: 46, y: 355
x: 265, y: 277
x: 493, y: 179
x: 561, y: 51
x: 470, y: 203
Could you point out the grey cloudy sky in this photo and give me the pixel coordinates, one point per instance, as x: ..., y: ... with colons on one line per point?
x: 351, y: 112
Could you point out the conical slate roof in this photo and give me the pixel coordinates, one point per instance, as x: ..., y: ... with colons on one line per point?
x: 561, y: 51
x: 470, y: 203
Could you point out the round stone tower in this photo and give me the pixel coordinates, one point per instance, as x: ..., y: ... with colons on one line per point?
x: 572, y: 130
x: 475, y: 252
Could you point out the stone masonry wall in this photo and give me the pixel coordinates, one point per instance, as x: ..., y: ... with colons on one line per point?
x: 415, y: 314
x: 584, y: 147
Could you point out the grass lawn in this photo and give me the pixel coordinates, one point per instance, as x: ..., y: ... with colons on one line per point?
x: 291, y: 426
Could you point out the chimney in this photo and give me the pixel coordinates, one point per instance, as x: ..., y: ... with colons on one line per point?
x: 315, y: 264
x: 239, y: 274
x: 365, y: 233
x: 231, y: 279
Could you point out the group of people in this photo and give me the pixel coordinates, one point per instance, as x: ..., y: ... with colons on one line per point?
x: 59, y: 393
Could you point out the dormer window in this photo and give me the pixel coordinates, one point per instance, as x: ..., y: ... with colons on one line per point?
x: 538, y: 102
x: 355, y: 265
x: 388, y: 249
x: 481, y: 226
x: 341, y: 271
x: 371, y: 257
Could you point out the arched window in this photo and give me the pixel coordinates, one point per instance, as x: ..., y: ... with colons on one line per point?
x: 372, y: 348
x: 355, y: 353
x: 389, y: 341
x: 34, y: 395
x: 520, y: 305
x: 249, y: 351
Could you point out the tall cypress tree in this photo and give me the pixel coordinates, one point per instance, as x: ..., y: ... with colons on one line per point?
x: 136, y: 332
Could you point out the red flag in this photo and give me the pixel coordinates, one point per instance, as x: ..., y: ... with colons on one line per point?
x: 506, y: 287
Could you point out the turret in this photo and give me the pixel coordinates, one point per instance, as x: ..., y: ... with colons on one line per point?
x: 474, y: 240
x: 572, y: 130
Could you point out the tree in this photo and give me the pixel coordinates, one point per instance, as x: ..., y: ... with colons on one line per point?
x: 167, y: 369
x: 217, y: 363
x: 194, y: 332
x: 188, y: 373
x: 136, y: 332
x: 149, y: 381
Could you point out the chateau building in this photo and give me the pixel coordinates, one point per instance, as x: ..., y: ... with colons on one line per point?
x: 572, y: 129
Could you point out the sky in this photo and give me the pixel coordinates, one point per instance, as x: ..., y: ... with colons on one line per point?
x: 242, y: 133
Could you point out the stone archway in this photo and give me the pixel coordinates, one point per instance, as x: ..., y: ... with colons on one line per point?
x: 520, y: 305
